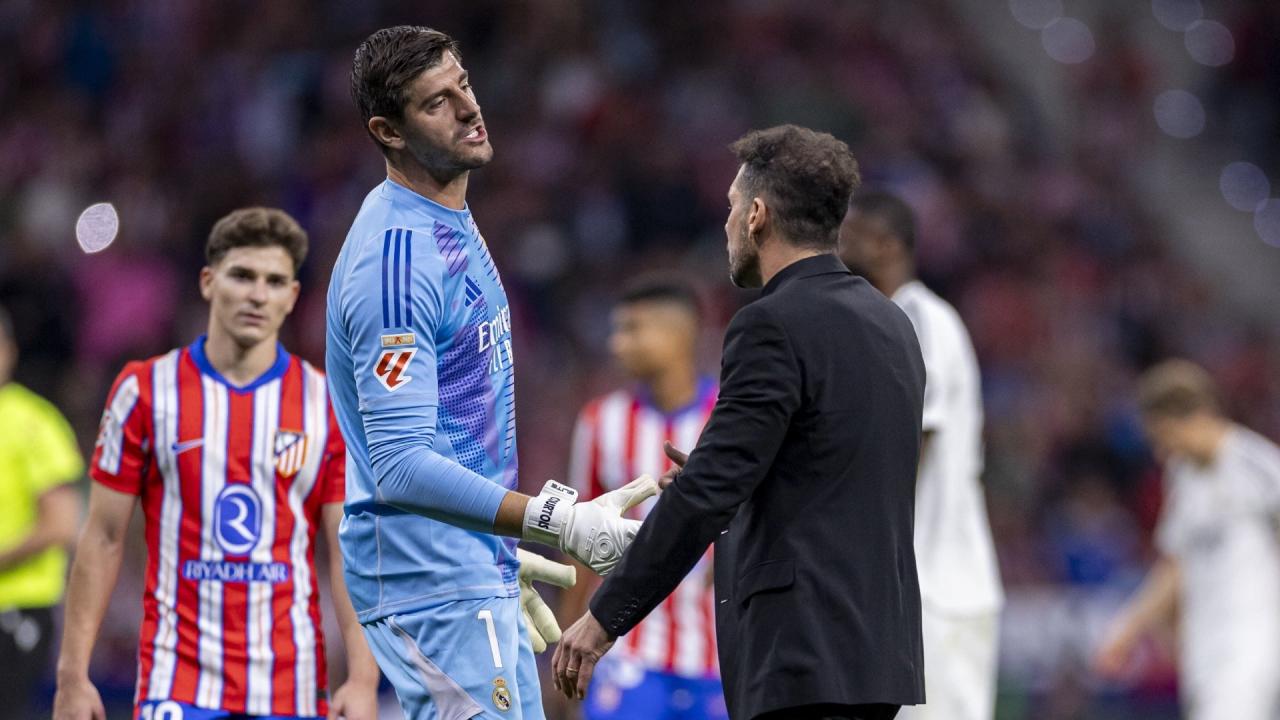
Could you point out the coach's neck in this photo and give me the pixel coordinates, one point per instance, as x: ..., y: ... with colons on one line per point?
x: 776, y: 253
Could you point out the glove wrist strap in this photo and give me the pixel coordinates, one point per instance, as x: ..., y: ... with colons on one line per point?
x: 546, y: 515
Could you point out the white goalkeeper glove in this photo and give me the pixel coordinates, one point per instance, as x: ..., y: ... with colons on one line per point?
x: 594, y: 533
x: 538, y: 618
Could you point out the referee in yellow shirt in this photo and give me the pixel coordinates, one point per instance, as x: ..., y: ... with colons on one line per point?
x: 39, y: 514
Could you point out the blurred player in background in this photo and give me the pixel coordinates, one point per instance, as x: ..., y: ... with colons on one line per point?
x: 419, y: 354
x: 959, y: 579
x: 667, y: 666
x: 39, y: 461
x: 231, y: 448
x: 1219, y: 568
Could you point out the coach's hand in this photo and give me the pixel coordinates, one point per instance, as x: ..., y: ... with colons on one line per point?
x: 538, y: 618
x: 676, y: 457
x: 78, y: 700
x: 594, y: 533
x: 582, y: 646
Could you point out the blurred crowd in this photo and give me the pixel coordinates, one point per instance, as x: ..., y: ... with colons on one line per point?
x: 610, y: 120
x: 1246, y: 93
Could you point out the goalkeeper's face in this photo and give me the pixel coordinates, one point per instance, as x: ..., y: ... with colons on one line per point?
x: 250, y: 293
x: 442, y: 128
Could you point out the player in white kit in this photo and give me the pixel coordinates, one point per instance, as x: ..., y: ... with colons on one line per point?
x: 1219, y: 567
x: 960, y: 588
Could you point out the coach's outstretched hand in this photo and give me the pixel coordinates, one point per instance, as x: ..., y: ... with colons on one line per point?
x: 538, y: 618
x: 583, y: 644
x: 594, y: 533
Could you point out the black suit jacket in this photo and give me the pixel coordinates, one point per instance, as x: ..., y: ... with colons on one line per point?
x: 805, y: 478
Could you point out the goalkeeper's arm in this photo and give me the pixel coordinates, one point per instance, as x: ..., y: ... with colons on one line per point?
x: 415, y: 478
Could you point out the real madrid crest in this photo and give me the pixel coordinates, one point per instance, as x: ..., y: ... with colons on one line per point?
x: 501, y: 695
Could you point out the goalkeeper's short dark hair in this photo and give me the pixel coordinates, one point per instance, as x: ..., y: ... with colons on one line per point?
x: 388, y: 62
x: 257, y: 227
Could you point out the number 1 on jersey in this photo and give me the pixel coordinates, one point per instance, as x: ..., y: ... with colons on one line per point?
x: 487, y: 617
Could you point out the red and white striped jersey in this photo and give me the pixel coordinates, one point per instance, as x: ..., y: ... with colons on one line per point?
x: 231, y: 482
x: 618, y: 437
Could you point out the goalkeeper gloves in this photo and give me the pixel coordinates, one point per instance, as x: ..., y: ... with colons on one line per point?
x: 594, y: 533
x: 538, y: 618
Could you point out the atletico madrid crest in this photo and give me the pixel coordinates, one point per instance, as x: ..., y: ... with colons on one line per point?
x: 291, y: 452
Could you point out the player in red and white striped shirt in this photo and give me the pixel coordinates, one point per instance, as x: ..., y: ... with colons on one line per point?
x: 233, y: 451
x: 666, y: 666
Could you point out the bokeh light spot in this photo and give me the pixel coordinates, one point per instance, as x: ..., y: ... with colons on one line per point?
x: 1179, y: 113
x: 1244, y: 186
x: 1267, y: 222
x: 97, y: 226
x: 1068, y: 40
x: 1210, y: 43
x: 1177, y: 15
x: 1035, y: 14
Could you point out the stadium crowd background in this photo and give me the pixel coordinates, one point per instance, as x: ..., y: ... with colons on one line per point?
x: 610, y: 121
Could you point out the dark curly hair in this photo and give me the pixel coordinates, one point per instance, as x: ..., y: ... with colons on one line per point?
x: 387, y: 62
x: 806, y: 176
x: 257, y: 227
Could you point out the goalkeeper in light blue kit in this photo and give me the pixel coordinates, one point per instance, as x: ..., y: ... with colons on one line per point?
x: 420, y: 368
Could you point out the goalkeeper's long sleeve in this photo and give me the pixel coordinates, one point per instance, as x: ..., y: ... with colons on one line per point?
x: 415, y: 478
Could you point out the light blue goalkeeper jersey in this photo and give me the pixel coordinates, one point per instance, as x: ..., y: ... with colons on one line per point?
x: 420, y: 371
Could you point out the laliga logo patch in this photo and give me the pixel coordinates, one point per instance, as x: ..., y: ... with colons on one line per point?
x: 391, y: 368
x: 237, y: 519
x: 501, y: 695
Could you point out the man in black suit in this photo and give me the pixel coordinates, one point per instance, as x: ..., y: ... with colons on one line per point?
x: 805, y: 474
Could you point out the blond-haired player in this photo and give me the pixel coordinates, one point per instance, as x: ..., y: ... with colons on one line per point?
x: 1219, y: 566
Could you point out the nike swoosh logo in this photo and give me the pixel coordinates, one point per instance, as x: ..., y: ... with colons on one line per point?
x: 181, y: 447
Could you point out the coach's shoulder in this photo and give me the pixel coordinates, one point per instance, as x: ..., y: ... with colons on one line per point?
x: 763, y: 321
x: 764, y: 310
